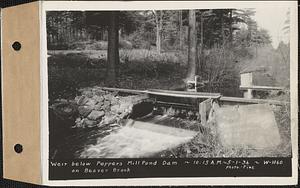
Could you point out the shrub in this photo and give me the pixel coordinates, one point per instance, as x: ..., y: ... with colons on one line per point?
x: 89, y: 45
x: 75, y: 60
x: 218, y: 67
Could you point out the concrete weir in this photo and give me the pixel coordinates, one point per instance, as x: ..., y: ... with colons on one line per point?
x: 138, y: 139
x: 248, y: 126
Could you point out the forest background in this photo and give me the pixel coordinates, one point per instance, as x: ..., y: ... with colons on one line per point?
x: 152, y: 49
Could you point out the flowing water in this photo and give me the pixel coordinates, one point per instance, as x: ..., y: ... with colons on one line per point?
x: 137, y: 139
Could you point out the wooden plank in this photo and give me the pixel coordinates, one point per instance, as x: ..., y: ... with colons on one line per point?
x: 186, y: 94
x: 197, y: 95
x: 132, y: 91
x: 204, y: 108
x: 202, y: 112
x: 180, y: 105
x: 251, y: 101
x: 170, y: 93
x: 263, y: 88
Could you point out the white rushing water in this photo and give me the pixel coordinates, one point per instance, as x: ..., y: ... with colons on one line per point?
x: 138, y: 139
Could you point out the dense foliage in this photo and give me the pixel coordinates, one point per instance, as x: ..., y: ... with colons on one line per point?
x: 228, y: 40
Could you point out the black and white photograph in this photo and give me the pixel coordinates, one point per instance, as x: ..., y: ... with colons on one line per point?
x: 169, y: 84
x: 150, y: 93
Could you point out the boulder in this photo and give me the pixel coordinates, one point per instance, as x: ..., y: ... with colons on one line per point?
x: 81, y: 100
x: 98, y: 106
x: 114, y: 101
x: 124, y: 115
x: 115, y: 109
x: 99, y: 92
x: 108, y: 97
x: 91, y: 102
x: 89, y: 123
x: 79, y: 122
x: 106, y: 103
x: 114, y: 93
x: 98, y: 98
x: 65, y: 109
x: 96, y: 115
x: 106, y: 108
x: 88, y: 93
x: 108, y: 119
x: 85, y: 110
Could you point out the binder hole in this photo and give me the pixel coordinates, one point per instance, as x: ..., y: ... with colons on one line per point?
x: 18, y: 148
x: 16, y: 46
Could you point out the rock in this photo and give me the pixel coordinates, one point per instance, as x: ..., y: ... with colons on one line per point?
x: 98, y: 98
x: 84, y: 110
x: 124, y: 115
x: 102, y: 125
x: 96, y: 115
x: 122, y: 108
x: 91, y: 102
x: 127, y: 107
x: 78, y: 123
x: 108, y: 119
x: 106, y: 103
x: 115, y: 108
x: 115, y: 93
x: 65, y: 109
x: 106, y: 108
x: 98, y: 106
x: 81, y: 100
x: 99, y: 92
x: 88, y: 93
x: 114, y: 125
x: 89, y: 123
x: 114, y: 101
x: 108, y: 97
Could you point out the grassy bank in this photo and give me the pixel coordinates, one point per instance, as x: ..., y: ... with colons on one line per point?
x: 139, y: 69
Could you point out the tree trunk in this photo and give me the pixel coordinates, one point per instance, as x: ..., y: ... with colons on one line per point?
x: 180, y: 31
x: 158, y: 21
x: 112, y: 66
x: 201, y: 41
x: 192, y: 48
x: 222, y: 29
x: 230, y: 27
x: 160, y: 29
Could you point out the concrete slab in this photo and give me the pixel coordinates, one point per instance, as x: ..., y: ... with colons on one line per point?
x: 253, y: 126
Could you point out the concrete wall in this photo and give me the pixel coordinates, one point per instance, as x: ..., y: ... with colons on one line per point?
x: 246, y: 79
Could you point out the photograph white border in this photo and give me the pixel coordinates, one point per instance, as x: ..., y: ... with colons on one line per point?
x: 168, y: 5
